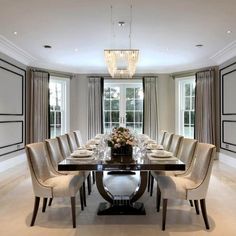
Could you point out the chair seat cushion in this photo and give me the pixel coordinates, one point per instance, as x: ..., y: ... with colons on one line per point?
x: 65, y: 185
x: 174, y: 187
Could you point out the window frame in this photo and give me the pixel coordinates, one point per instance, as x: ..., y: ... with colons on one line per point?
x: 65, y: 111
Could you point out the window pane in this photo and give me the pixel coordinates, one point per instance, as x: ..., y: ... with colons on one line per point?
x: 192, y: 117
x: 115, y: 116
x: 113, y: 125
x: 193, y: 103
x: 130, y: 93
x: 107, y: 104
x: 115, y: 92
x: 52, y: 118
x: 107, y: 116
x: 186, y: 118
x: 107, y: 93
x: 130, y: 105
x: 138, y: 128
x: 58, y: 118
x: 139, y: 105
x: 130, y: 125
x: 129, y: 117
x: 115, y: 104
x: 187, y: 89
x: 187, y: 103
x: 138, y: 116
x: 139, y: 93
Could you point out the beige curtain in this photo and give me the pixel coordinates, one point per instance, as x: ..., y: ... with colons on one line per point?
x: 39, y: 106
x: 95, y: 106
x: 150, y: 107
x: 205, y: 110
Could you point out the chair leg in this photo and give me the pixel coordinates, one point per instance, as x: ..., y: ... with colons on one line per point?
x: 44, y: 204
x: 81, y: 195
x: 164, y: 209
x: 158, y: 200
x: 151, y: 185
x: 72, y: 199
x: 84, y: 194
x: 36, y: 207
x: 204, y: 213
x: 149, y: 180
x: 50, y: 201
x: 89, y: 184
x: 93, y: 174
x: 196, y: 206
x: 191, y: 203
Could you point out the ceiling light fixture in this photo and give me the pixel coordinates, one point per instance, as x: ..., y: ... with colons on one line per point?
x: 229, y: 32
x: 15, y: 33
x: 199, y: 45
x: 121, y: 63
x: 47, y: 46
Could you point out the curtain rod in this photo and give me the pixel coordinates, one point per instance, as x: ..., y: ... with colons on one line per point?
x: 52, y: 73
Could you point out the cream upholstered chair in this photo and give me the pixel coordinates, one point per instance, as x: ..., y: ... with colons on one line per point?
x: 78, y: 138
x: 47, y: 184
x: 175, y: 144
x: 66, y: 151
x: 55, y: 156
x: 174, y: 148
x: 167, y: 140
x: 72, y: 141
x: 192, y: 186
x: 161, y: 137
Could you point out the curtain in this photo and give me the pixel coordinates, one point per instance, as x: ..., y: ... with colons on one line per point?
x: 150, y: 107
x: 205, y: 107
x: 39, y: 106
x: 95, y: 109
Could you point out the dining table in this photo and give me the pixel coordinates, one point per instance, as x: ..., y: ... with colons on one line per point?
x: 142, y: 162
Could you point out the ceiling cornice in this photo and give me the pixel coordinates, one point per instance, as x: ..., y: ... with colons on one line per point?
x: 11, y: 50
x: 225, y: 54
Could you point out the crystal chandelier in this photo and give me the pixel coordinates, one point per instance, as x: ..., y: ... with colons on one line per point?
x: 121, y: 63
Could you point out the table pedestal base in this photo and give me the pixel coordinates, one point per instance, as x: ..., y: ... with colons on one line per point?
x: 137, y: 208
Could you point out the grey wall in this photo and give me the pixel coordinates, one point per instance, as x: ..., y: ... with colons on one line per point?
x: 79, y: 103
x: 228, y: 98
x: 12, y: 112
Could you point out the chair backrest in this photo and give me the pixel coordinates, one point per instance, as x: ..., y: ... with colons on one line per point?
x: 161, y: 137
x: 175, y: 144
x: 167, y: 140
x: 78, y: 138
x: 54, y: 151
x: 64, y: 145
x: 72, y: 141
x: 186, y: 151
x: 39, y: 168
x: 201, y: 171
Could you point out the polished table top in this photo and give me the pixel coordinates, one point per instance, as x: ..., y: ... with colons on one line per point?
x: 140, y: 163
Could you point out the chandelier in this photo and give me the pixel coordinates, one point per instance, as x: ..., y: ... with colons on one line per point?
x: 121, y: 63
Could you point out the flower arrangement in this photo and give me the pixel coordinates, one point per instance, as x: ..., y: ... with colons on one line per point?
x: 121, y: 137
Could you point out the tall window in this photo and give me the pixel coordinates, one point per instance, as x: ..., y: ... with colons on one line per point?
x: 185, y: 112
x: 59, y: 106
x: 123, y: 105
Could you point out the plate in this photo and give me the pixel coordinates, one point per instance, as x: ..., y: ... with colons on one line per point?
x: 157, y: 153
x: 81, y: 158
x: 85, y: 153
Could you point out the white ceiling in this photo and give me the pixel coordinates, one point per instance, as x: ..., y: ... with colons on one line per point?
x: 165, y: 32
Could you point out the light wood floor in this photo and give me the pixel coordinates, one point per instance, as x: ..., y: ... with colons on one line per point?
x: 16, y: 204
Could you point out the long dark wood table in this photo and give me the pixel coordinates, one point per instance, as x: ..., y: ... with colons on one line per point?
x: 121, y: 204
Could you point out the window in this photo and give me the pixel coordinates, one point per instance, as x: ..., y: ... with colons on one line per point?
x: 185, y: 112
x: 123, y: 105
x: 59, y: 105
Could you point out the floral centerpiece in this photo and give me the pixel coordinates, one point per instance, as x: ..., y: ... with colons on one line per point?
x: 121, y: 142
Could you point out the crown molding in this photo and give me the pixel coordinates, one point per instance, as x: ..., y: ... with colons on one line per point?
x: 225, y: 54
x: 11, y: 50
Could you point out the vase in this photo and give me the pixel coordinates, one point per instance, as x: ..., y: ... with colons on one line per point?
x: 122, y: 154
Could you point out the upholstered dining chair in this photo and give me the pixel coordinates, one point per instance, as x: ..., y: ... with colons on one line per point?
x: 167, y: 140
x: 192, y: 186
x: 174, y: 148
x: 47, y: 184
x: 66, y: 151
x: 161, y: 137
x: 55, y: 156
x: 78, y: 138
